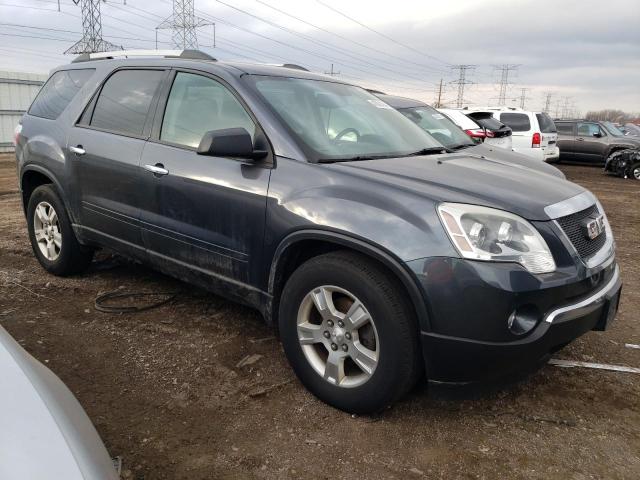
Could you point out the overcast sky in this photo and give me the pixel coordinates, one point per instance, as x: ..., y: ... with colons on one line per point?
x: 587, y: 53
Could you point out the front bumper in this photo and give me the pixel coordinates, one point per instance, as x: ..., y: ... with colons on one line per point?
x: 468, y: 339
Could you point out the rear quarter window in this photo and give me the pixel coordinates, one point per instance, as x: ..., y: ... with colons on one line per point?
x: 546, y: 124
x: 519, y: 122
x: 58, y: 92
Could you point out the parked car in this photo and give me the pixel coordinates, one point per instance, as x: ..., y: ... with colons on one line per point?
x: 591, y: 141
x: 534, y: 133
x: 378, y: 255
x: 624, y: 163
x: 453, y: 137
x: 632, y: 129
x: 470, y: 126
x: 44, y: 432
x: 494, y: 129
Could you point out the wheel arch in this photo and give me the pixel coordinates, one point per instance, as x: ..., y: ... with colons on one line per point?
x: 33, y: 176
x: 301, y: 245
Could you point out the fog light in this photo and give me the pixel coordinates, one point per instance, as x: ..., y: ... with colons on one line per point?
x: 523, y: 319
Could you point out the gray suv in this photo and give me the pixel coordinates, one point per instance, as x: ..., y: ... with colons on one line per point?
x: 379, y: 254
x: 591, y: 141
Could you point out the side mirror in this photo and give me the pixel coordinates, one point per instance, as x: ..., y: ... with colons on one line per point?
x: 597, y: 134
x: 229, y: 142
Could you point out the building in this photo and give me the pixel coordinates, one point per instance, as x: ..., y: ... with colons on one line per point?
x: 17, y: 91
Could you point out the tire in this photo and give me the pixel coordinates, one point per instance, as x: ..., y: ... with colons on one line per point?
x: 56, y: 246
x: 634, y: 171
x: 390, y: 336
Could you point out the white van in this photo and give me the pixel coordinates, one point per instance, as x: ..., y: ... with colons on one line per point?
x: 534, y: 133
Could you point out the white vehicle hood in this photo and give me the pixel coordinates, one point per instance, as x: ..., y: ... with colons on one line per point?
x: 44, y: 432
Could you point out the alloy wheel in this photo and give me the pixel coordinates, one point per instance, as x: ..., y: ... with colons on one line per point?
x: 46, y: 229
x: 338, y: 336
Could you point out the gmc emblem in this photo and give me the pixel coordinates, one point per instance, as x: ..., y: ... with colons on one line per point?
x: 593, y: 227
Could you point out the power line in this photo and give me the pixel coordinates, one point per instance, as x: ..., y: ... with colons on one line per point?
x: 462, y: 81
x: 382, y: 34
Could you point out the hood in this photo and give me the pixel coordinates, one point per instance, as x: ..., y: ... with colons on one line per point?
x: 469, y: 178
x: 513, y: 158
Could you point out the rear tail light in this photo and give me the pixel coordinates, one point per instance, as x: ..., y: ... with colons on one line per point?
x: 16, y: 134
x: 476, y: 132
x: 490, y: 134
x: 535, y: 141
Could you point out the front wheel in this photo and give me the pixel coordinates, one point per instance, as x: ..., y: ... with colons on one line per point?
x: 349, y: 332
x: 635, y: 171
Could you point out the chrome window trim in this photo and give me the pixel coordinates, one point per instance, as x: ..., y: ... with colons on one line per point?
x: 592, y: 300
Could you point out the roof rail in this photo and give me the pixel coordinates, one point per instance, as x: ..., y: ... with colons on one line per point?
x: 187, y: 54
x: 294, y: 66
x: 375, y: 92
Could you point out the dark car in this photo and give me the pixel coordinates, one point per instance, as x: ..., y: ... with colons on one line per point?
x: 493, y: 127
x: 444, y: 130
x: 591, y: 141
x: 378, y: 255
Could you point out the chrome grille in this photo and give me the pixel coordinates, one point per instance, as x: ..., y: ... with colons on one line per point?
x: 572, y: 227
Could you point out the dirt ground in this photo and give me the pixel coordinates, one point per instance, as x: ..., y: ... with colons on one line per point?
x: 165, y: 391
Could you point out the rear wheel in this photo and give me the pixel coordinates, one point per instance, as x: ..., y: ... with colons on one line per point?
x: 349, y: 333
x: 52, y: 238
x: 635, y: 171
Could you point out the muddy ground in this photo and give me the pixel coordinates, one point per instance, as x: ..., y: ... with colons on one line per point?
x: 165, y: 391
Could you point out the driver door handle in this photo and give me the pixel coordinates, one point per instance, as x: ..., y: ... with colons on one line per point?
x: 157, y: 169
x: 580, y: 139
x: 77, y: 150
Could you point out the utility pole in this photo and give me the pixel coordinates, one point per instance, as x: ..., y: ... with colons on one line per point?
x: 523, y: 97
x: 332, y: 72
x: 439, y: 101
x: 504, y: 80
x: 462, y: 81
x: 183, y: 22
x: 91, y: 40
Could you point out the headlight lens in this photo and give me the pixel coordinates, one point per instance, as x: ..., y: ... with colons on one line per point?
x: 482, y: 233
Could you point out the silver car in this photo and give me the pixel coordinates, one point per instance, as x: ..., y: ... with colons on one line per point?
x: 44, y: 432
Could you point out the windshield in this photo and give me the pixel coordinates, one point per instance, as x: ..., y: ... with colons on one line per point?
x: 613, y: 130
x: 334, y: 121
x: 546, y: 124
x: 439, y: 126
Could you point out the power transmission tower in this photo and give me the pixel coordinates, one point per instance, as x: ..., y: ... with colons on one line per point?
x: 504, y: 80
x: 462, y: 81
x: 332, y: 72
x: 91, y: 40
x: 523, y: 97
x: 439, y: 100
x: 183, y: 22
x: 565, y: 107
x: 547, y: 102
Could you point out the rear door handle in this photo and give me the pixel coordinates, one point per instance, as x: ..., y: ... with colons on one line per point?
x: 78, y: 150
x: 157, y: 169
x: 580, y: 139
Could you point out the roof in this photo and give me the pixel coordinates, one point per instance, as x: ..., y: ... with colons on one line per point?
x: 401, y: 102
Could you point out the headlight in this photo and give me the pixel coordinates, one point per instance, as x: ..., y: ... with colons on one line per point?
x: 482, y: 233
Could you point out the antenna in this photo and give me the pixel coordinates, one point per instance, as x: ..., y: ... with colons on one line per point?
x: 91, y: 40
x: 504, y: 80
x: 184, y: 22
x: 462, y: 81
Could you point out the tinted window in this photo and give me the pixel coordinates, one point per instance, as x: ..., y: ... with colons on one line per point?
x: 487, y: 121
x: 197, y: 105
x: 588, y: 129
x: 124, y: 101
x: 546, y: 124
x: 519, y: 122
x: 565, y: 128
x: 613, y: 130
x: 58, y: 92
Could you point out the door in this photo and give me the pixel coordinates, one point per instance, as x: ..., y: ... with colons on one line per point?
x: 591, y: 142
x: 105, y: 150
x: 566, y: 139
x: 202, y: 217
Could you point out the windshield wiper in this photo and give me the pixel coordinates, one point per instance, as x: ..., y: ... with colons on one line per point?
x: 428, y: 151
x: 460, y: 146
x: 351, y: 159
